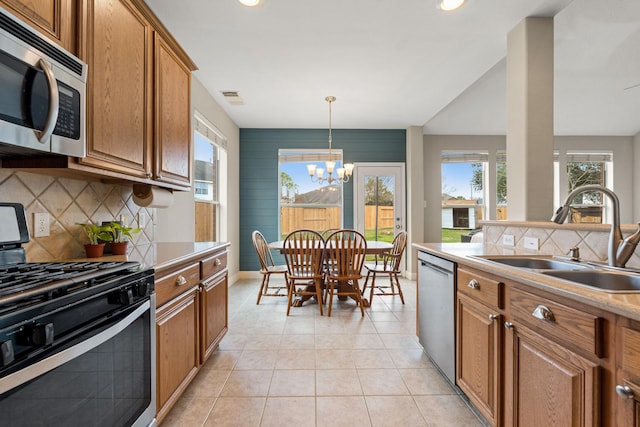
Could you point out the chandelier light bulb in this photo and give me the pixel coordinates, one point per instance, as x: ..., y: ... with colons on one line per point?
x: 449, y: 5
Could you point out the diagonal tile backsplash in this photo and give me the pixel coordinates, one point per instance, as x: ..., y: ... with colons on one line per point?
x: 70, y: 201
x: 592, y: 240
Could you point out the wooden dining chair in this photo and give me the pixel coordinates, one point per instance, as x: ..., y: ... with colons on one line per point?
x: 303, y: 251
x: 267, y: 268
x: 345, y: 255
x: 388, y: 263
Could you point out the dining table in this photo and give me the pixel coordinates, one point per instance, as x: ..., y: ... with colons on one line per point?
x: 374, y: 247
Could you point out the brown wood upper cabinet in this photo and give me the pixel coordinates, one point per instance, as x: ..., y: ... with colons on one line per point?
x: 138, y: 99
x: 56, y: 19
x: 138, y: 105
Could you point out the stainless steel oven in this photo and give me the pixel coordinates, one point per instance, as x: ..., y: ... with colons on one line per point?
x: 77, y: 342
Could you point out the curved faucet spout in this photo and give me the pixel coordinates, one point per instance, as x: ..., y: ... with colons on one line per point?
x: 615, y: 237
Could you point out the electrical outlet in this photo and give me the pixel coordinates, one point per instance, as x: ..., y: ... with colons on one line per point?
x: 142, y: 219
x: 531, y: 243
x: 508, y: 240
x: 40, y: 224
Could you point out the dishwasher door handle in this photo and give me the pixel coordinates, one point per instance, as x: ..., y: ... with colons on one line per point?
x: 435, y: 268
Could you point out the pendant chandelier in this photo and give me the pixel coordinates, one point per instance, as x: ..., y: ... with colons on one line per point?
x: 317, y: 174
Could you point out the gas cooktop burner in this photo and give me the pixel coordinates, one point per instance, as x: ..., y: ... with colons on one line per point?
x: 24, y: 282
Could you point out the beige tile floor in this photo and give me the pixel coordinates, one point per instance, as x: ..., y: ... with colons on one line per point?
x: 312, y: 370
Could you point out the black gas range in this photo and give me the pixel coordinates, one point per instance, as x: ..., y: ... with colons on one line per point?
x: 56, y: 315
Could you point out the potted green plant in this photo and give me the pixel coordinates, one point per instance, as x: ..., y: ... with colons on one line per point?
x: 98, y: 235
x: 120, y: 235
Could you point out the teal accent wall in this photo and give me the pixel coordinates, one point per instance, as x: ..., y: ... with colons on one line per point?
x: 259, y: 173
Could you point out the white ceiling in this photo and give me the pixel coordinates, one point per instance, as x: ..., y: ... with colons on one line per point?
x: 394, y: 64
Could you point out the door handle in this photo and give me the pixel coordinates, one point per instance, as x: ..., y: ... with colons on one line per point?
x: 52, y: 114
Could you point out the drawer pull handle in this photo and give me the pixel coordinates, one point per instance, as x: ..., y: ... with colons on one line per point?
x: 624, y: 391
x: 474, y: 284
x: 543, y: 313
x: 493, y: 317
x: 180, y: 280
x: 508, y: 325
x: 218, y: 262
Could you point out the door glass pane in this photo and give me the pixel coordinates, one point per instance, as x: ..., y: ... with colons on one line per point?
x: 379, y: 199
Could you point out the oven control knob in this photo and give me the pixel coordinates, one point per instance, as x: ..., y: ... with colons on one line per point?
x: 6, y: 352
x: 42, y: 334
x: 142, y: 289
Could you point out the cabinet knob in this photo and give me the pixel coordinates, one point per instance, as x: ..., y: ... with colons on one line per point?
x: 508, y: 325
x: 218, y: 262
x: 493, y: 317
x: 543, y: 313
x: 624, y: 391
x: 474, y: 284
x: 180, y: 280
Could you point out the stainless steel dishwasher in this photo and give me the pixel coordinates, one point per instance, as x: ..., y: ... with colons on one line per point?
x: 436, y: 311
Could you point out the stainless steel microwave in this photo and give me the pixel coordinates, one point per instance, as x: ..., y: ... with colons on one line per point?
x: 42, y: 94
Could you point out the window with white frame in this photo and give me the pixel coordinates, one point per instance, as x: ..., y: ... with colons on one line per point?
x: 464, y: 177
x: 577, y: 168
x: 209, y: 161
x: 303, y: 202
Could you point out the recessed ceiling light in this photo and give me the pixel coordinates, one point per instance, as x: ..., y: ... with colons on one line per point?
x: 448, y: 5
x: 250, y: 3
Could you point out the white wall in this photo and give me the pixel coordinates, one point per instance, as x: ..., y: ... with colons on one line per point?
x: 171, y: 225
x: 623, y: 157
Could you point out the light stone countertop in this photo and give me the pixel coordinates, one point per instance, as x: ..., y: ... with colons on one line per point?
x: 166, y: 254
x: 624, y: 304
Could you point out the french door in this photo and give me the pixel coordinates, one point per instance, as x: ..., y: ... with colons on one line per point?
x: 379, y: 199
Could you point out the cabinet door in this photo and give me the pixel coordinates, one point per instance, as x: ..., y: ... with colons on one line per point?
x: 55, y: 19
x: 478, y: 361
x: 628, y: 384
x: 177, y: 324
x: 172, y: 116
x: 117, y: 48
x: 214, y: 315
x: 548, y: 384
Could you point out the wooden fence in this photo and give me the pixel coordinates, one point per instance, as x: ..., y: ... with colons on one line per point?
x: 319, y: 218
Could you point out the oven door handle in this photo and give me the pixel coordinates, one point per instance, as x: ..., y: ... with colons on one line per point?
x: 58, y: 359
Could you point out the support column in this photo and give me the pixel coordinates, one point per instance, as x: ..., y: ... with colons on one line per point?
x: 415, y: 195
x: 530, y: 120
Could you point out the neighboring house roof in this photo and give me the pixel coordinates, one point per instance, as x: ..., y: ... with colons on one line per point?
x: 328, y: 195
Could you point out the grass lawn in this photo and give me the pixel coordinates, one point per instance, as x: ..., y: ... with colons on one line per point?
x: 450, y: 235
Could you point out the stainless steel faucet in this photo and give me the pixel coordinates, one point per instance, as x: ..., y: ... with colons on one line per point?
x: 619, y: 250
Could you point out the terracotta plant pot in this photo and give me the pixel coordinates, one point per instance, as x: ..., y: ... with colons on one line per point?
x: 94, y: 251
x: 119, y: 248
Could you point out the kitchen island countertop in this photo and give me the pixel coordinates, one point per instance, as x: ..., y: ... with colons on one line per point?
x: 624, y: 304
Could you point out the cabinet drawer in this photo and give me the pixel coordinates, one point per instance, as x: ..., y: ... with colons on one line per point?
x: 481, y: 288
x: 174, y: 284
x: 631, y: 352
x: 565, y: 324
x: 213, y: 264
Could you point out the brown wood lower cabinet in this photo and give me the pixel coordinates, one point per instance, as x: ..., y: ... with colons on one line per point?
x: 547, y: 384
x: 479, y: 343
x: 526, y: 357
x: 191, y: 319
x: 627, y: 386
x: 177, y: 347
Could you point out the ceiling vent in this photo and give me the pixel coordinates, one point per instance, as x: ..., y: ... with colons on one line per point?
x: 232, y: 97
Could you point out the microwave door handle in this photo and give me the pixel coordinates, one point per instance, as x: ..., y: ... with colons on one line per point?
x: 52, y: 114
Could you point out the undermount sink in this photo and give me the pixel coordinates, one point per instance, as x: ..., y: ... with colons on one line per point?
x: 609, y: 281
x: 536, y: 263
